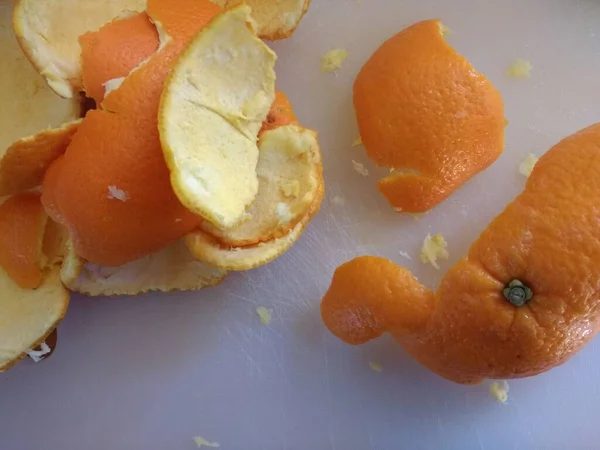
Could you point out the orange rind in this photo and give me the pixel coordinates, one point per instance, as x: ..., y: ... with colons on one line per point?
x: 207, y: 248
x: 425, y: 113
x: 22, y: 226
x: 28, y: 316
x: 522, y: 301
x: 36, y: 123
x: 117, y: 150
x: 171, y: 269
x: 24, y: 164
x: 112, y: 55
x: 32, y: 297
x: 276, y: 19
x: 213, y: 106
x: 290, y: 175
x: 280, y: 114
x: 48, y: 31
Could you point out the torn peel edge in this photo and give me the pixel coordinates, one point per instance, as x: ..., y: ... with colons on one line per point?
x: 414, y: 192
x: 206, y: 248
x: 172, y: 269
x: 24, y: 164
x: 290, y: 175
x: 202, y: 178
x: 268, y: 26
x: 51, y: 287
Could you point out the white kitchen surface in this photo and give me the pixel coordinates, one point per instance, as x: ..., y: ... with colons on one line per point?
x: 152, y: 372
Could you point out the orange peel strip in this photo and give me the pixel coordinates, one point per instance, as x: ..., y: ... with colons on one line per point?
x: 22, y: 226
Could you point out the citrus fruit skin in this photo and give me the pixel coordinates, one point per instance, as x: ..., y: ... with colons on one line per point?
x: 107, y: 55
x: 547, y: 239
x: 29, y: 315
x: 213, y: 105
x: 281, y: 113
x: 118, y: 148
x: 48, y: 30
x: 276, y: 19
x: 22, y: 225
x: 425, y: 112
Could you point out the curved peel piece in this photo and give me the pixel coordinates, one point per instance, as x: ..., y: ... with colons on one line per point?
x: 290, y: 175
x: 212, y: 108
x: 171, y: 269
x: 112, y: 188
x: 48, y: 31
x: 107, y: 56
x: 276, y: 19
x: 22, y: 226
x: 206, y: 248
x: 425, y: 113
x: 28, y: 316
x: 24, y: 164
x: 28, y: 106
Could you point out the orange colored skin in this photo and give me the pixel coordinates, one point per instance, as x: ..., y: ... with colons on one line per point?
x: 424, y: 111
x: 22, y: 225
x: 114, y: 51
x: 119, y: 146
x: 548, y: 238
x: 280, y: 114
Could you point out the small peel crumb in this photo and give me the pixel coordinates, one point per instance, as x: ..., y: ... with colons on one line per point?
x: 405, y: 255
x: 528, y: 164
x: 114, y: 193
x: 38, y: 355
x: 520, y: 69
x: 434, y: 248
x: 358, y: 141
x: 499, y: 390
x: 264, y: 314
x: 333, y: 60
x: 338, y: 200
x: 376, y: 367
x: 201, y: 442
x: 360, y: 168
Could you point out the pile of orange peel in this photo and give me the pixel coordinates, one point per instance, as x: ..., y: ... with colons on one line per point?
x: 189, y: 165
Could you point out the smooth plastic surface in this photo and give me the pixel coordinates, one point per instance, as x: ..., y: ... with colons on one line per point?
x: 152, y: 372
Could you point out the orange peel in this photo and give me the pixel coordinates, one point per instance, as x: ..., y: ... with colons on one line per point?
x: 48, y: 31
x: 36, y: 123
x: 22, y: 226
x: 522, y: 301
x: 290, y: 177
x: 29, y: 315
x: 424, y: 112
x: 171, y: 269
x: 276, y: 19
x: 280, y: 114
x: 112, y: 55
x: 24, y: 164
x: 207, y: 248
x: 213, y: 106
x: 126, y: 157
x: 32, y: 297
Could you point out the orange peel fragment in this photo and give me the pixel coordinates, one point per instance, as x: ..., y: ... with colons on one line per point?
x: 119, y: 147
x: 48, y: 31
x: 275, y: 19
x: 171, y: 269
x: 213, y: 106
x: 429, y: 116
